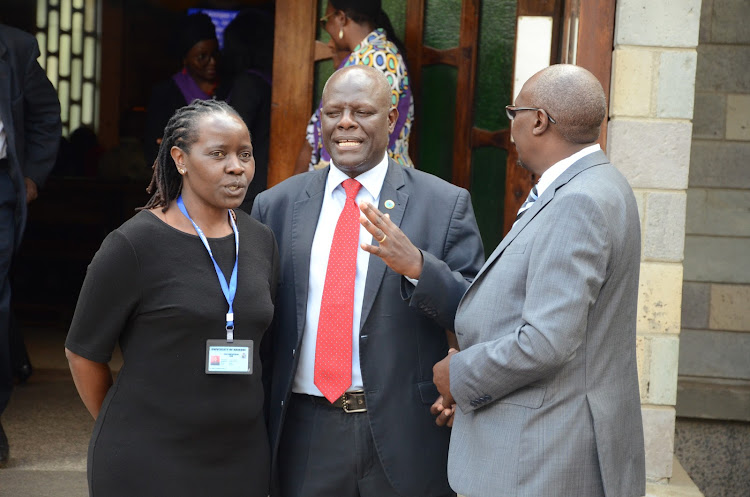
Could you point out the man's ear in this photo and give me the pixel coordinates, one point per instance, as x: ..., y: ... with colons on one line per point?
x: 392, y: 118
x: 541, y: 124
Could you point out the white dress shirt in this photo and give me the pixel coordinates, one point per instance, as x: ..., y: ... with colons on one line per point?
x: 554, y: 172
x: 3, y: 141
x: 333, y: 203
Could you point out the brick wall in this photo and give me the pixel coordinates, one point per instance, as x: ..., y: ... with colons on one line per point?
x: 649, y: 139
x: 714, y: 365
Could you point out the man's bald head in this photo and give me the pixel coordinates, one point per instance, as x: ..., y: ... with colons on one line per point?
x: 374, y: 78
x: 573, y: 97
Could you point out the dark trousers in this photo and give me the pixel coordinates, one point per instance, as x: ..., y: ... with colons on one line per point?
x: 7, y: 242
x: 326, y: 452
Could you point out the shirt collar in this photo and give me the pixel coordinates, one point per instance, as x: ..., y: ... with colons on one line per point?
x: 371, y: 180
x: 558, y: 168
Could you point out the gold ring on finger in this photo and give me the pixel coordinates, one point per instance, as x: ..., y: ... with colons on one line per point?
x: 384, y: 237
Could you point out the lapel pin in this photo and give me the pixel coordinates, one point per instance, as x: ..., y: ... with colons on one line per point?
x: 389, y: 204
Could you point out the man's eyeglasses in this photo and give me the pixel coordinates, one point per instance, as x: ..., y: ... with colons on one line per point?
x: 510, y: 111
x: 323, y: 20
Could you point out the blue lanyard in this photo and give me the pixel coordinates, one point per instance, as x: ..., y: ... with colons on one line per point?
x: 231, y: 289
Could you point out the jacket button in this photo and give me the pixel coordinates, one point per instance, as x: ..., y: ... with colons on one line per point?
x: 473, y: 403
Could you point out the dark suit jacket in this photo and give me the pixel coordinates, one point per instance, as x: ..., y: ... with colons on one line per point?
x: 30, y: 112
x: 402, y: 333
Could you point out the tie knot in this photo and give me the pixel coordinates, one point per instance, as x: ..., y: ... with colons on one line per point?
x: 351, y: 187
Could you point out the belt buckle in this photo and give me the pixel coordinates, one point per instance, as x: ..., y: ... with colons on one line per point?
x: 346, y: 403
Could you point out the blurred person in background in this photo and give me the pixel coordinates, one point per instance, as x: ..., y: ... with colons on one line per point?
x: 196, y: 44
x: 30, y: 133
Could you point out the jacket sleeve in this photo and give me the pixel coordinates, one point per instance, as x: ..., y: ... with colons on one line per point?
x: 42, y: 125
x: 444, y: 281
x: 567, y: 268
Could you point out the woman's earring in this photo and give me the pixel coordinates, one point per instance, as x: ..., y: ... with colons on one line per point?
x: 341, y: 33
x: 182, y: 171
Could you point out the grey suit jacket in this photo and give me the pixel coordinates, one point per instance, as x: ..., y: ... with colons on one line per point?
x: 30, y: 112
x: 546, y: 379
x: 402, y: 332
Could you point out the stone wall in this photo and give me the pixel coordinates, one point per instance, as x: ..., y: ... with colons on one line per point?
x: 649, y: 139
x: 715, y: 346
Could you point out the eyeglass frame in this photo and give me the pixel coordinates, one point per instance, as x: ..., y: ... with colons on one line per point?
x: 510, y: 111
x: 324, y: 20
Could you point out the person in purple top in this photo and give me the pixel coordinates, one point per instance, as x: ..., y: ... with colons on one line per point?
x: 197, y: 45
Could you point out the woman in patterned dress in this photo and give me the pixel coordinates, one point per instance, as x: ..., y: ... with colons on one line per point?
x: 362, y: 30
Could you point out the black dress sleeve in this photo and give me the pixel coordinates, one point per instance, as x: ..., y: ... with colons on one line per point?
x: 109, y: 296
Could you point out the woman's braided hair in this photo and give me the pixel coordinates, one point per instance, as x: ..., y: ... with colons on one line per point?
x: 181, y: 131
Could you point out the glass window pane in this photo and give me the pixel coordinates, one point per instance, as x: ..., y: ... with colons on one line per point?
x: 65, y: 15
x: 75, y: 116
x: 441, y: 31
x: 65, y: 55
x: 52, y: 70
x: 89, y: 56
x: 77, y: 33
x: 41, y: 14
x: 88, y: 103
x: 533, y: 46
x: 76, y: 79
x: 53, y: 31
x: 90, y: 18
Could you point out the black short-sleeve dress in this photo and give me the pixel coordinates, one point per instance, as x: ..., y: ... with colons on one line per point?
x: 166, y: 427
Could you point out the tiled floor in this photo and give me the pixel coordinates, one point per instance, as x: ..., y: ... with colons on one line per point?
x: 49, y: 429
x: 47, y: 425
x: 716, y: 454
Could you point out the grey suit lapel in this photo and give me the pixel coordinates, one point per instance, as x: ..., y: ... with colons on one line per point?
x: 594, y: 159
x: 392, y: 190
x: 304, y: 221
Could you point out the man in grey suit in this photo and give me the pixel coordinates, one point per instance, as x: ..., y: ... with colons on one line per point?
x: 545, y: 380
x: 412, y: 258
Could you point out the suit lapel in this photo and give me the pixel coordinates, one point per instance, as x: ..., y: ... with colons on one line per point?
x: 304, y: 221
x: 392, y: 190
x: 594, y: 159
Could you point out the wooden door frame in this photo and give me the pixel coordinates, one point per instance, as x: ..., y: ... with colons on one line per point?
x: 595, y: 43
x: 294, y: 64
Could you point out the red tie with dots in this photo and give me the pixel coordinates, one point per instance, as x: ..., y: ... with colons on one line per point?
x: 333, y: 348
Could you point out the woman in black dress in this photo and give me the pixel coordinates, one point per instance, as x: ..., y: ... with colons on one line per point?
x: 185, y: 414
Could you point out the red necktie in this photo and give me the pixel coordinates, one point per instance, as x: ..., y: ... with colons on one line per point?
x: 333, y: 348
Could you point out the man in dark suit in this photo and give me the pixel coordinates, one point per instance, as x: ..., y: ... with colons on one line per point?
x: 370, y: 431
x: 29, y: 137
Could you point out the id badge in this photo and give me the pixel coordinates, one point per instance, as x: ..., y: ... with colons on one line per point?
x: 229, y: 358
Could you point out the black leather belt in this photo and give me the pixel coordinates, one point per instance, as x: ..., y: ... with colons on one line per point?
x: 350, y: 402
